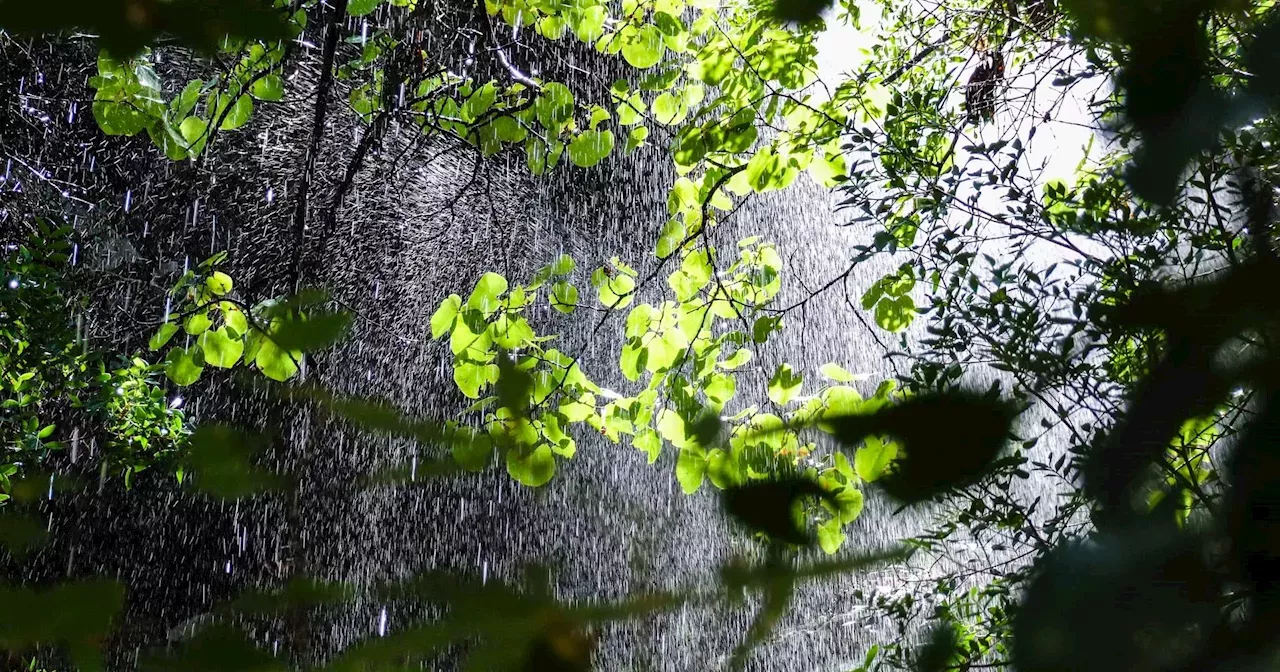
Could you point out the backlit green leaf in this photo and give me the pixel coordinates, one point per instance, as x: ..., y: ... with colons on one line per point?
x: 484, y: 297
x: 162, y: 336
x: 784, y: 385
x: 564, y: 297
x: 533, y: 469
x: 220, y: 348
x: 873, y: 458
x: 645, y: 48
x: 442, y: 320
x: 691, y: 466
x: 590, y: 148
x: 218, y: 283
x: 270, y: 88
x: 184, y: 365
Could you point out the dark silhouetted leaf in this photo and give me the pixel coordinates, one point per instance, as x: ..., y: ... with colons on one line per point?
x: 215, y: 648
x: 947, y: 440
x: 1184, y: 383
x: 562, y: 647
x: 316, y: 331
x: 124, y: 27
x: 737, y: 576
x: 513, y: 384
x: 942, y: 648
x: 1253, y: 517
x: 777, y: 597
x: 705, y: 428
x: 20, y: 534
x: 1130, y: 601
x: 769, y: 506
x: 78, y: 615
x: 221, y: 460
x: 299, y: 592
x: 800, y: 11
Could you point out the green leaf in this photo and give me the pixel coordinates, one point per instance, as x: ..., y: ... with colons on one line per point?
x: 119, y: 118
x: 484, y: 297
x: 763, y: 327
x: 590, y: 148
x: 691, y: 466
x: 720, y: 389
x: 694, y: 274
x: 649, y: 442
x: 162, y: 336
x: 895, y: 313
x: 194, y: 131
x: 184, y: 365
x: 533, y: 469
x: 848, y: 503
x: 739, y: 359
x: 669, y: 239
x: 471, y: 377
x: 634, y: 360
x: 241, y: 111
x: 463, y: 340
x: 617, y: 291
x: 234, y: 318
x: 362, y: 7
x: 874, y: 458
x: 667, y: 108
x: 843, y: 467
x: 551, y: 27
x: 186, y: 101
x: 831, y: 536
x: 563, y: 265
x: 269, y: 88
x: 564, y: 297
x: 479, y: 102
x: 275, y: 362
x: 636, y: 138
x: 645, y: 48
x: 220, y: 348
x: 198, y: 323
x: 577, y: 411
x: 442, y: 320
x: 838, y: 401
x: 630, y: 109
x: 837, y: 373
x: 554, y: 105
x: 219, y: 283
x: 588, y: 24
x: 785, y: 384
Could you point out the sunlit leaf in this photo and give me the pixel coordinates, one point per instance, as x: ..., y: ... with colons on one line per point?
x: 184, y: 365
x: 220, y: 348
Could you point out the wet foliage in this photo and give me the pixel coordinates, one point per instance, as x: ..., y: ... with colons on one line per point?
x: 1175, y: 568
